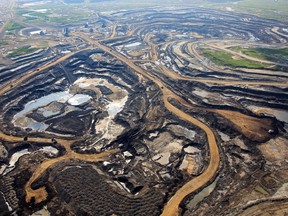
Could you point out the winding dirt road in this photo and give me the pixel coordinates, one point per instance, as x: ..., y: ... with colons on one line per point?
x: 19, y: 79
x: 40, y: 194
x: 114, y: 31
x: 172, y: 206
x: 177, y: 76
x: 245, y: 56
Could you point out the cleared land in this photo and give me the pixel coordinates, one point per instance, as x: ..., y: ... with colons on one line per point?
x: 132, y: 94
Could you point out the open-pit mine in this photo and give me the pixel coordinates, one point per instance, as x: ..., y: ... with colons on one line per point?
x: 155, y: 111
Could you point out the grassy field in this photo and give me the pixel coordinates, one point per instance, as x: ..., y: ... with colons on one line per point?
x: 57, y: 13
x: 226, y: 59
x: 21, y: 51
x: 30, y: 15
x: 109, y: 5
x: 69, y: 19
x: 264, y: 8
x: 42, y: 44
x: 269, y: 9
x: 275, y: 55
x: 11, y: 26
x: 77, y: 12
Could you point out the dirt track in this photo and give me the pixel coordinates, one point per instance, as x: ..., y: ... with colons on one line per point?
x: 246, y: 56
x: 114, y: 32
x: 200, y: 181
x: 176, y: 76
x: 18, y: 80
x: 173, y: 205
x: 249, y: 127
x: 40, y: 194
